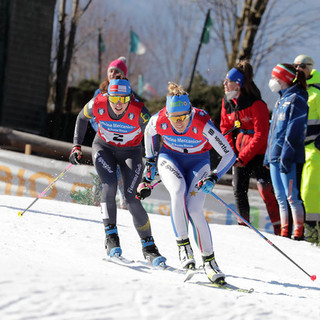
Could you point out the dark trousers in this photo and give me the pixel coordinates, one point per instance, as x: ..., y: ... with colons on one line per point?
x: 106, y: 158
x: 241, y: 179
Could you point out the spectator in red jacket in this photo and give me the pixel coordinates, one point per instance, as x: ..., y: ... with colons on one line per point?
x: 247, y: 116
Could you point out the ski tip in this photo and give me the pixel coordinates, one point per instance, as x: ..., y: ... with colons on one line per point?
x: 313, y: 277
x: 20, y: 213
x: 159, y: 262
x: 115, y: 252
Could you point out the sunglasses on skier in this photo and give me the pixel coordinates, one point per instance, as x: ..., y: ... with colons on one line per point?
x: 179, y: 118
x: 301, y: 65
x: 122, y: 99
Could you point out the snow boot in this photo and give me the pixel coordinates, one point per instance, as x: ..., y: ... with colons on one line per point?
x: 151, y: 253
x: 212, y: 270
x: 186, y: 254
x: 298, y: 233
x: 112, y: 243
x: 285, y: 231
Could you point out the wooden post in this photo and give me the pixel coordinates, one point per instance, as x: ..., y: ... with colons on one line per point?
x: 27, y: 149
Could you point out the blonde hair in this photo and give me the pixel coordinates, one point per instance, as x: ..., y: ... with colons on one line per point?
x: 175, y: 89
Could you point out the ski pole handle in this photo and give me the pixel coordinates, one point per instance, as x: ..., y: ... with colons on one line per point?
x: 236, y: 126
x: 21, y: 213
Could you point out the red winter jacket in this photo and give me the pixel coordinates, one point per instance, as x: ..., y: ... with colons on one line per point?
x: 252, y: 136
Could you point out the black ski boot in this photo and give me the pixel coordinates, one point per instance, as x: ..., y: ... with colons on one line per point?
x: 151, y: 253
x: 112, y: 243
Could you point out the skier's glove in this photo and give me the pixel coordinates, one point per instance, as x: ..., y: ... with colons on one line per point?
x: 143, y: 190
x: 207, y: 184
x: 76, y: 155
x: 150, y: 170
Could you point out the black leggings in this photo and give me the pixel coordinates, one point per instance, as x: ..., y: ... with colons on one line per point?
x: 105, y: 159
x: 241, y: 179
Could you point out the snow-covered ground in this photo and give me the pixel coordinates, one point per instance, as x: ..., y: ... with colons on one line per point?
x: 52, y: 267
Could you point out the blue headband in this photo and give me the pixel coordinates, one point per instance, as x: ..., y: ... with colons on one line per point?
x: 236, y: 76
x: 119, y: 86
x: 178, y: 103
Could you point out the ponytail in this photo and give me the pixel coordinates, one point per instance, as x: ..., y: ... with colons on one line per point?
x: 249, y: 87
x: 300, y: 78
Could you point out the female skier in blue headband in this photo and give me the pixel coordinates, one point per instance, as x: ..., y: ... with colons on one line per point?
x: 184, y: 168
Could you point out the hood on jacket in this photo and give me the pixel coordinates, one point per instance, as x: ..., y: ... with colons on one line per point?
x: 303, y: 94
x: 315, y: 77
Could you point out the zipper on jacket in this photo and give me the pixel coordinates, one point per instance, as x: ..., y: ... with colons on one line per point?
x: 272, y: 128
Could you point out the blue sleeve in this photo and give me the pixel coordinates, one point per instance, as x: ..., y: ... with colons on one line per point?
x: 295, y: 133
x: 94, y: 124
x: 93, y: 121
x: 96, y: 93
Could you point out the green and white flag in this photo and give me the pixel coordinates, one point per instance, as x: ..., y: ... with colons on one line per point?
x: 136, y: 46
x: 206, y: 34
x: 102, y: 46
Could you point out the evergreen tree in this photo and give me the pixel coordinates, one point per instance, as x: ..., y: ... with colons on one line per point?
x: 207, y: 97
x: 313, y: 234
x: 89, y: 196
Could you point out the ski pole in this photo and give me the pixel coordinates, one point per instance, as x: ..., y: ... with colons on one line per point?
x: 20, y: 214
x: 156, y: 183
x: 236, y: 125
x: 313, y: 277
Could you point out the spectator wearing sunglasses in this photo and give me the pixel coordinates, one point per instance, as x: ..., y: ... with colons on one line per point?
x: 121, y: 123
x: 285, y: 153
x: 183, y: 163
x: 310, y: 181
x: 243, y: 105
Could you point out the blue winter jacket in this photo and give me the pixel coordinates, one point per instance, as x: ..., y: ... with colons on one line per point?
x: 288, y: 129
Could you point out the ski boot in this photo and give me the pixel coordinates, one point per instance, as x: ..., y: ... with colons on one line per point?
x: 298, y: 233
x: 186, y: 254
x: 285, y: 231
x: 212, y: 270
x: 151, y: 253
x: 112, y: 243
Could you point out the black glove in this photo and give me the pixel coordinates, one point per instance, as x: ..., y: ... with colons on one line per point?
x: 143, y: 190
x: 76, y: 155
x: 317, y: 142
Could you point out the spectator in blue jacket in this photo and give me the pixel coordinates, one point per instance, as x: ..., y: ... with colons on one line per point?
x: 285, y: 153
